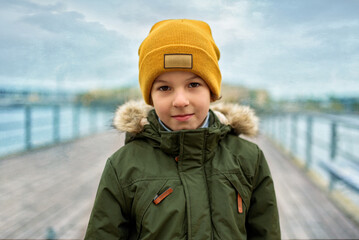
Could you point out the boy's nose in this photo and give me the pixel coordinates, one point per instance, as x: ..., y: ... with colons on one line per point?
x: 180, y: 100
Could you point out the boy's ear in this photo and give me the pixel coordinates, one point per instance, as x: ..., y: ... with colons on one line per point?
x: 214, y: 98
x: 151, y: 102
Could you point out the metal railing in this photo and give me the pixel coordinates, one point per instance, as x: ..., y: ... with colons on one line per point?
x: 24, y: 127
x: 327, y: 144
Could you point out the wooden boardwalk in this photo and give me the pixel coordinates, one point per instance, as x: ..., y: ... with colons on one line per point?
x: 305, y: 211
x: 48, y: 193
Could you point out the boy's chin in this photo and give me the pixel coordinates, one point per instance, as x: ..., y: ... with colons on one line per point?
x: 184, y: 127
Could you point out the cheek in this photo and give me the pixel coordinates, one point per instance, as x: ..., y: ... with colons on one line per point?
x: 160, y: 106
x: 154, y: 99
x: 204, y: 99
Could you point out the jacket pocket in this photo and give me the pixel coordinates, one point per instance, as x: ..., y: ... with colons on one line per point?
x: 164, y: 216
x: 242, y: 193
x: 229, y: 206
x: 145, y: 193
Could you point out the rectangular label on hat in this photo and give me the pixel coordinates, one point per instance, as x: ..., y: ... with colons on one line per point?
x: 178, y: 61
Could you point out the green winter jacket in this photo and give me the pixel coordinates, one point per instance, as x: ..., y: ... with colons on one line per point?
x: 206, y: 183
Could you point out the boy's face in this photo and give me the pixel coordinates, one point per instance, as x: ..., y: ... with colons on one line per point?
x: 181, y: 100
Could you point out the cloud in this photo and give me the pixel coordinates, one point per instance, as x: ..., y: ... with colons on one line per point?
x: 269, y: 44
x: 293, y: 56
x: 51, y: 43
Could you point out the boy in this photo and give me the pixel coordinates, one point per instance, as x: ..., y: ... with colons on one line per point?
x: 184, y: 173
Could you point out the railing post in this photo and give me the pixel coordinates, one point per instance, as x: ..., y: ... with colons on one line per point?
x: 50, y: 233
x: 277, y: 127
x: 56, y: 123
x: 274, y: 123
x: 275, y: 120
x: 28, y: 124
x: 332, y: 181
x: 284, y: 132
x: 93, y: 119
x: 75, y: 120
x: 309, y: 142
x: 280, y: 128
x: 294, y: 134
x: 333, y: 141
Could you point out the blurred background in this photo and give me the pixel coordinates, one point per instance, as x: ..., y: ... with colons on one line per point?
x: 66, y: 65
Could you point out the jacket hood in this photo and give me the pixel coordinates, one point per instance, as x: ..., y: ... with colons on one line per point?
x: 132, y: 117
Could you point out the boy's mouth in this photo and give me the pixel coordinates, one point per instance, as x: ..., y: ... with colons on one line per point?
x: 183, y: 117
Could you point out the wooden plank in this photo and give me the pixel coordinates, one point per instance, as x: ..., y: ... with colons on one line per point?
x: 55, y: 188
x: 306, y: 212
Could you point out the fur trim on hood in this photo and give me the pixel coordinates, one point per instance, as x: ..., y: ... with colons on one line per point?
x: 132, y: 116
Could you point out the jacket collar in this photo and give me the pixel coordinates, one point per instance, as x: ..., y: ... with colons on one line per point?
x: 195, y: 145
x: 132, y: 116
x: 139, y: 120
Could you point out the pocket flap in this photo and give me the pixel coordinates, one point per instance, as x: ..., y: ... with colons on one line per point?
x: 242, y: 190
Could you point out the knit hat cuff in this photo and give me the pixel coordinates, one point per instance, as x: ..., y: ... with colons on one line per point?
x: 203, y: 65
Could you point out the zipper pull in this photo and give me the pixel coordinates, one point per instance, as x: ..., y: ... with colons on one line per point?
x: 239, y: 203
x: 159, y: 198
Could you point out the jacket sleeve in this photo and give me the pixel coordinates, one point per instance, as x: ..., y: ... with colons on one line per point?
x: 263, y: 219
x: 108, y: 218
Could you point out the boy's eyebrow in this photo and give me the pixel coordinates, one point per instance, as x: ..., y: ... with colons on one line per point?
x: 188, y: 79
x: 159, y: 81
x: 193, y: 77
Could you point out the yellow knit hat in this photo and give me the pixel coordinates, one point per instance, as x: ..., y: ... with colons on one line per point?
x: 179, y: 45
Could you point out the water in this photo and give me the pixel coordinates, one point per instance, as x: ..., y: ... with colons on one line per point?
x: 48, y: 125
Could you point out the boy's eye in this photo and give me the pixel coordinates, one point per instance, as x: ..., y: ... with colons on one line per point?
x: 164, y: 88
x: 194, y: 85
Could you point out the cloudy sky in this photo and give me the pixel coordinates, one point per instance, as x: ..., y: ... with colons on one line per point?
x: 291, y: 48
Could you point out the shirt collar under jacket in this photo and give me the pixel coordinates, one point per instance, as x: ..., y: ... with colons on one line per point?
x: 204, y: 125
